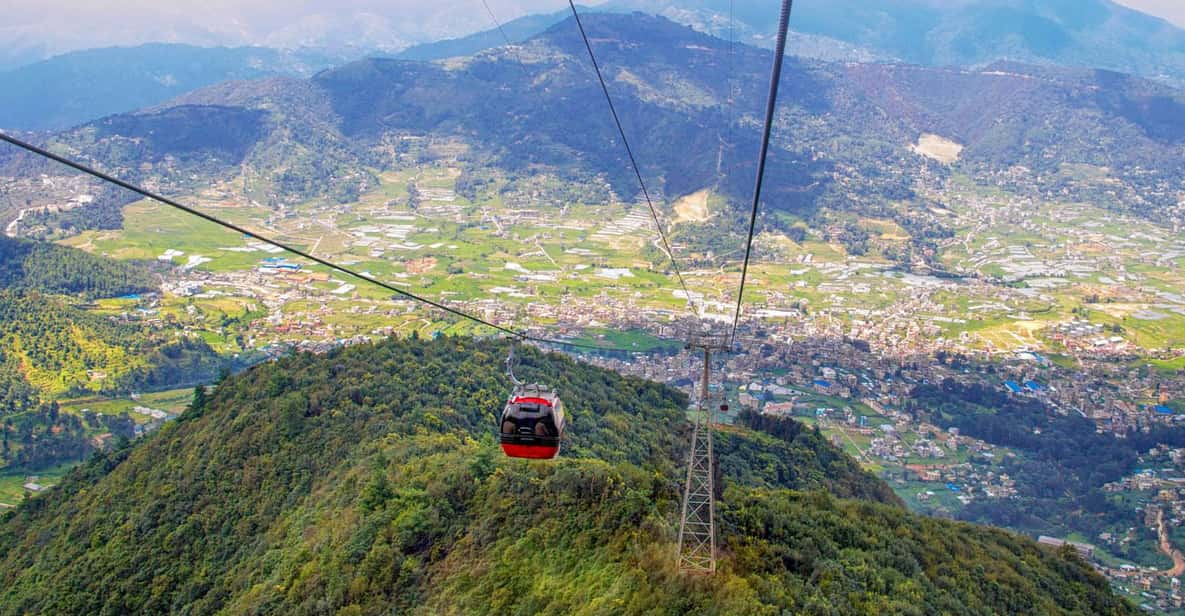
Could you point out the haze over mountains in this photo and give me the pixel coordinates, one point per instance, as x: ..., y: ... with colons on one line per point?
x: 77, y: 87
x: 35, y: 30
x: 1081, y: 33
x: 844, y: 139
x: 1087, y: 33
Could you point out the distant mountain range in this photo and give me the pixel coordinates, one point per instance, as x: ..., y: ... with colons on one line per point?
x: 973, y: 33
x: 32, y: 31
x: 81, y: 86
x: 844, y: 136
x: 516, y: 31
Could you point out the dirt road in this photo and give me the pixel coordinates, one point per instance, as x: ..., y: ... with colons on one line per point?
x: 1166, y: 546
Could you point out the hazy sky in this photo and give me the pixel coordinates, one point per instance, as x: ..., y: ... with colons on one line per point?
x: 35, y: 28
x: 1172, y: 10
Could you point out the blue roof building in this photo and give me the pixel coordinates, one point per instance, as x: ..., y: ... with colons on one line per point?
x: 1162, y: 409
x: 1013, y: 386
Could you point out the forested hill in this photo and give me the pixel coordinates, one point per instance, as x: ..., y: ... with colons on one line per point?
x: 50, y: 345
x: 49, y: 268
x: 53, y: 345
x: 367, y: 481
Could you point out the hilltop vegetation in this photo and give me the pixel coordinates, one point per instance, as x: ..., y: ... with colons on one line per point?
x: 1079, y: 33
x: 52, y: 345
x: 81, y: 86
x: 49, y: 268
x: 367, y: 481
x: 104, y: 212
x: 62, y: 349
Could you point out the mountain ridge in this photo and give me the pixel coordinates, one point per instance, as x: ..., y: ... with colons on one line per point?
x: 76, y: 87
x: 840, y: 123
x: 1083, y: 34
x: 1095, y: 34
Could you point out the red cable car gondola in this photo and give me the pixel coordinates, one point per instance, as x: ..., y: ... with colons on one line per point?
x: 532, y: 423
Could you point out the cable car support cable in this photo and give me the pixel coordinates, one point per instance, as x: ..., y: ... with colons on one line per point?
x: 730, y: 118
x: 509, y: 44
x: 630, y: 153
x: 523, y: 336
x: 697, y: 528
x: 771, y: 103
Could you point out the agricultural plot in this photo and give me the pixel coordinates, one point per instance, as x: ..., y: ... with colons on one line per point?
x: 172, y: 402
x: 12, y: 483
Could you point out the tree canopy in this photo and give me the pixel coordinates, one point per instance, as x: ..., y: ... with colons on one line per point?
x: 367, y: 481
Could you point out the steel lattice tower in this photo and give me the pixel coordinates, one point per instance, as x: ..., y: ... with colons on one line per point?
x: 697, y: 527
x: 697, y: 531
